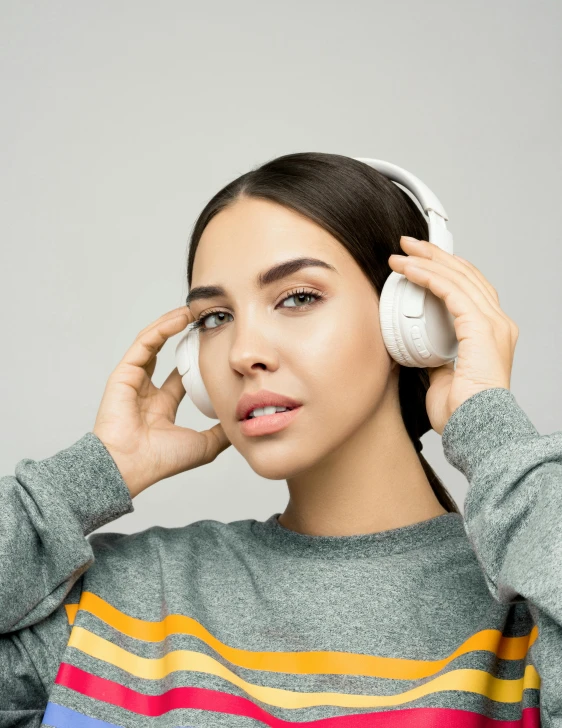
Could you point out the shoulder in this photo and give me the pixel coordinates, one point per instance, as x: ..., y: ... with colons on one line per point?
x: 137, y: 573
x: 206, y: 539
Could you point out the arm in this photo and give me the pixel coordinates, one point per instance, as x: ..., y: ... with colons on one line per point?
x: 46, y: 512
x: 513, y: 516
x: 29, y: 662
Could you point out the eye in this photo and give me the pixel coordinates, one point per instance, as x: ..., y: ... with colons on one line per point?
x: 298, y: 295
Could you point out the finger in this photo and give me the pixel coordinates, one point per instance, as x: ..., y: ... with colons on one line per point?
x: 438, y: 373
x: 489, y: 287
x: 460, y: 295
x: 169, y: 315
x: 146, y: 346
x: 151, y: 366
x: 173, y: 386
x: 217, y: 441
x: 469, y: 271
x: 459, y: 280
x: 434, y: 252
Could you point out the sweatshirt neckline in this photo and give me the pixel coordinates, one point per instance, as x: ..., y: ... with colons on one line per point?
x: 382, y: 543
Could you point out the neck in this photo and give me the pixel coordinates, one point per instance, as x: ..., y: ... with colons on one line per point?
x: 373, y: 482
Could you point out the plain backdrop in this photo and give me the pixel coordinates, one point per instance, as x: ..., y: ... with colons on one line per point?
x: 121, y: 119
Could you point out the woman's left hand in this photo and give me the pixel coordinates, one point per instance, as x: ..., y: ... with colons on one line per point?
x: 486, y: 335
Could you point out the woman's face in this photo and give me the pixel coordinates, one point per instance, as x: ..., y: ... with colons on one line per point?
x: 326, y: 353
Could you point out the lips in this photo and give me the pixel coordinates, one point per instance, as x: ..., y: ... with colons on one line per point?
x: 288, y: 409
x: 263, y: 398
x: 269, y: 424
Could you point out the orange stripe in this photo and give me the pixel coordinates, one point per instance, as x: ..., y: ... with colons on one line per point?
x: 71, y: 610
x: 316, y: 662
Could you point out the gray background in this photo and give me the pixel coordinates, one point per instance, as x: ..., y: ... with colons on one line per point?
x: 121, y: 119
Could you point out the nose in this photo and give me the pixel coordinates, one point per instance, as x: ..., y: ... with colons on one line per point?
x: 252, y: 346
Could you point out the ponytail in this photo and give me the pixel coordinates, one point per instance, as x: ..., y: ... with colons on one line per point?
x: 412, y: 387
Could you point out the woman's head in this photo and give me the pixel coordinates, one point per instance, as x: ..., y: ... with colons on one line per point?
x: 314, y: 335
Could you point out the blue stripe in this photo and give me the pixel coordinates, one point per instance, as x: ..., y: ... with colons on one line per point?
x: 60, y: 717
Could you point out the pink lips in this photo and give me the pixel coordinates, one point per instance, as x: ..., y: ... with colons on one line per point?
x: 264, y: 398
x: 268, y: 424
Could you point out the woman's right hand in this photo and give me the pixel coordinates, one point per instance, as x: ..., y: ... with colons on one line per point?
x: 135, y: 420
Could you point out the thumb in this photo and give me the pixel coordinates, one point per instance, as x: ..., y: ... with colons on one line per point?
x: 437, y: 374
x: 217, y: 441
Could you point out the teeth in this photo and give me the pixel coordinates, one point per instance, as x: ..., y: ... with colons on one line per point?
x: 259, y: 411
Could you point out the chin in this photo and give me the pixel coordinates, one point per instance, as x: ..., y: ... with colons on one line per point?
x: 286, y: 461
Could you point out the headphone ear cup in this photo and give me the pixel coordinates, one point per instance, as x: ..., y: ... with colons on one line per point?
x: 187, y: 362
x: 389, y: 307
x: 417, y: 328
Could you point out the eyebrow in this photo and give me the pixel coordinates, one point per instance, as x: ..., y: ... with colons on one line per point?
x: 265, y: 278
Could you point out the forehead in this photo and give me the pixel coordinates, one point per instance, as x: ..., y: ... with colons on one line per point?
x: 253, y: 233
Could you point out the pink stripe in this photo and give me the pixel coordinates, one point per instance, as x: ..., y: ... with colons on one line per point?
x: 214, y: 701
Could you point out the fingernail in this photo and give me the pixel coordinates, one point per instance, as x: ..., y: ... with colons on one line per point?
x: 412, y: 241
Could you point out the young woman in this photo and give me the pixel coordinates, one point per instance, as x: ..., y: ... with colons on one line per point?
x: 370, y: 601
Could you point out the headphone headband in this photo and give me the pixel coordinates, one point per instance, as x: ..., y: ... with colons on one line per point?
x: 438, y: 233
x: 428, y: 200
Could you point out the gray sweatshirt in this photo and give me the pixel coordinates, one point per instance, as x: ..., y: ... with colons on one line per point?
x: 452, y: 622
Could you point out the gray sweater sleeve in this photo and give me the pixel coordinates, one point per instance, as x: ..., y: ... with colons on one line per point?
x: 46, y: 512
x: 513, y: 515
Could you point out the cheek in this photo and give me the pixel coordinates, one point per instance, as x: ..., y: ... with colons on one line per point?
x: 217, y: 377
x: 347, y: 366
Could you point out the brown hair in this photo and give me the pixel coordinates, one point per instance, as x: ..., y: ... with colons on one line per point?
x: 367, y: 213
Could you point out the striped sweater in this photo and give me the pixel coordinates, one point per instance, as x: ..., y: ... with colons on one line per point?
x: 452, y: 622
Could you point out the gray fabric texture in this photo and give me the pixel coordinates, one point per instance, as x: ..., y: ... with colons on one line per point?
x: 439, y: 617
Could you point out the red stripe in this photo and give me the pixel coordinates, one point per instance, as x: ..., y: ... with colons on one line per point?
x: 99, y: 688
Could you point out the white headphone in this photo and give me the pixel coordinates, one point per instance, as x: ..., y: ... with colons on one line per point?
x: 417, y: 328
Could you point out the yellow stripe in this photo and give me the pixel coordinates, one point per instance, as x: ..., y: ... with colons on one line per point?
x: 466, y: 680
x: 317, y: 662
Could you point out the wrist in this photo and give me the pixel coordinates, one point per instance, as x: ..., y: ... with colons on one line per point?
x: 128, y: 470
